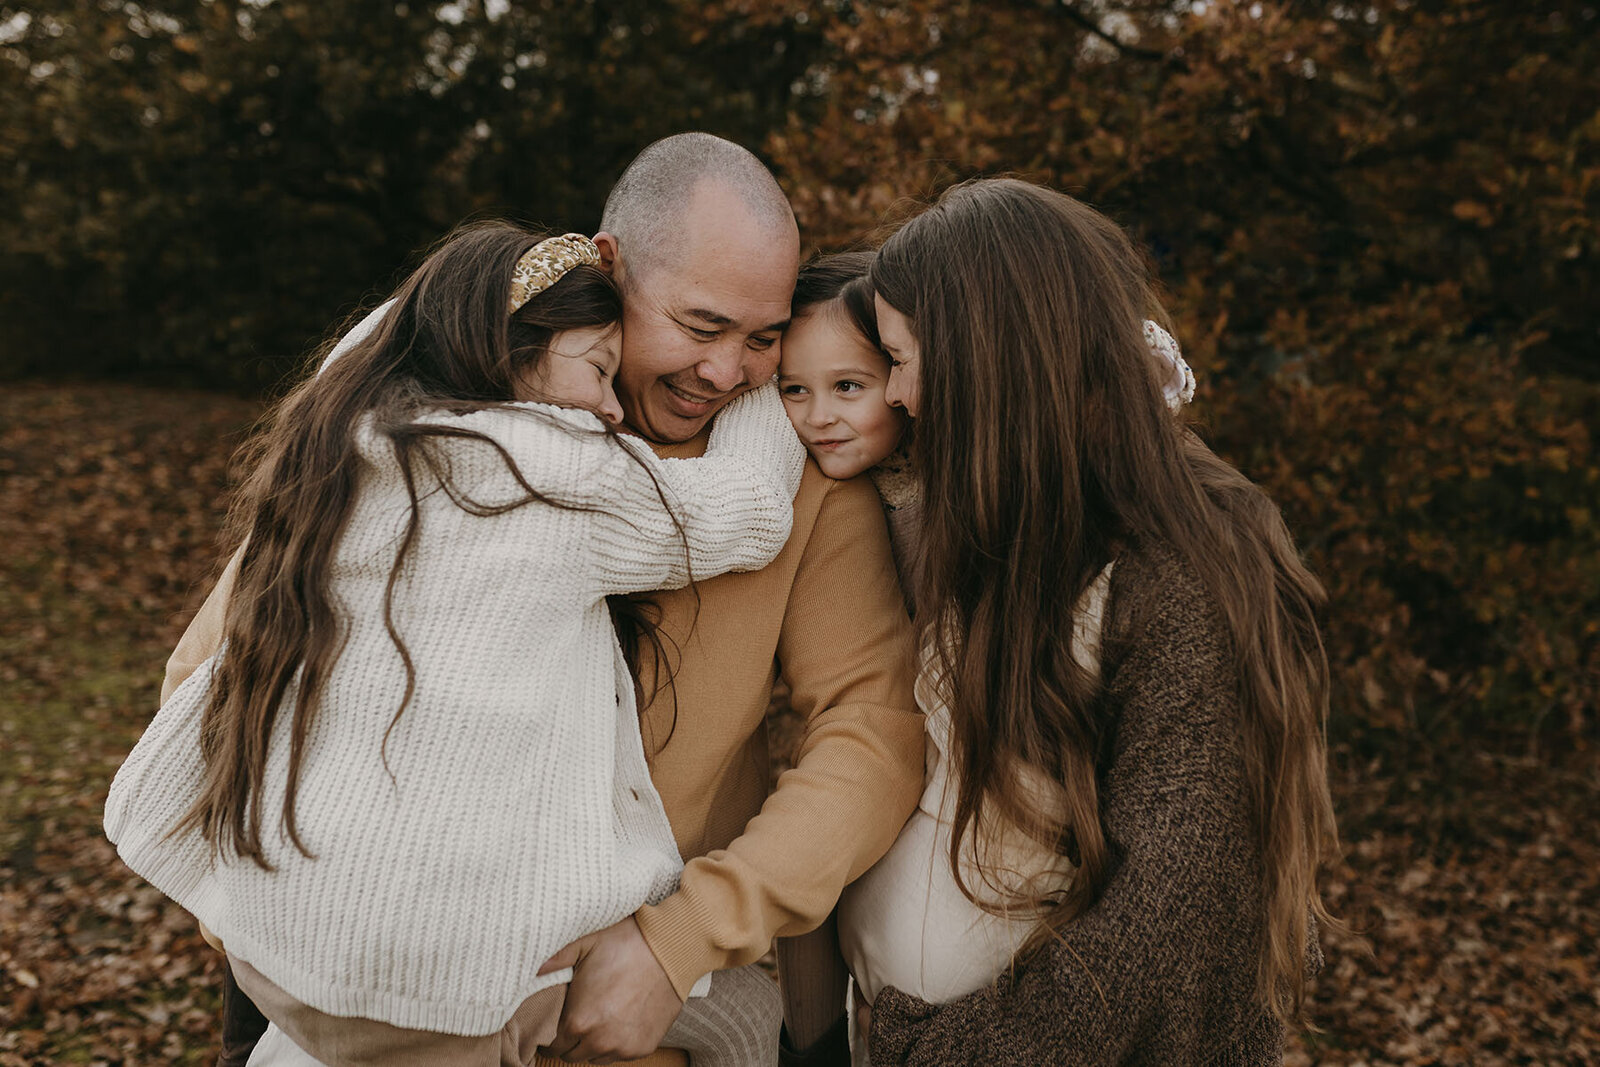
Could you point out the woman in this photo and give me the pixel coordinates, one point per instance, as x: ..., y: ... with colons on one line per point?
x: 1123, y: 677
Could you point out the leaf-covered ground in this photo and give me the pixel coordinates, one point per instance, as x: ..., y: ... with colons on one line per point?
x: 1474, y: 878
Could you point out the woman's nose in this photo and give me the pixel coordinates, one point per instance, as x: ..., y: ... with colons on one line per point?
x: 722, y: 369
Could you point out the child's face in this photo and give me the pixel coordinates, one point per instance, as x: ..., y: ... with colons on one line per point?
x: 578, y: 372
x: 832, y: 384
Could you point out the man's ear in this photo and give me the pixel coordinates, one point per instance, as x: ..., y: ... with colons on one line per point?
x: 609, y: 251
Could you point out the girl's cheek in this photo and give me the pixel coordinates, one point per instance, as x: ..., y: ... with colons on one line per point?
x: 796, y: 413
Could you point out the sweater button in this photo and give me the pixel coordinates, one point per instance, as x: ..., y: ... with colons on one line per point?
x: 635, y: 793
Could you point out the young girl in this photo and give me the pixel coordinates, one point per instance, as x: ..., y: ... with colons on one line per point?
x: 413, y: 772
x: 1122, y: 675
x: 834, y: 380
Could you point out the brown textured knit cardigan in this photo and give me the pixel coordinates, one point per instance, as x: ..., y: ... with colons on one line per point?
x: 1161, y: 968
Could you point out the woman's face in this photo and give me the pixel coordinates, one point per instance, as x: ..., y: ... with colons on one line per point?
x: 905, y: 358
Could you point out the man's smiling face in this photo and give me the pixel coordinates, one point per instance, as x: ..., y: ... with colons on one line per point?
x: 703, y: 320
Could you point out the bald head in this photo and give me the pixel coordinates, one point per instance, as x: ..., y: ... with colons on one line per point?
x: 647, y: 207
x: 705, y: 247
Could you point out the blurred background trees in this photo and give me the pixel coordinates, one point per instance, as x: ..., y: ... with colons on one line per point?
x: 1378, y: 222
x: 193, y: 191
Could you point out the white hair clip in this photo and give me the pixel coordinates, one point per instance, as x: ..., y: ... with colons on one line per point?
x: 1178, y: 387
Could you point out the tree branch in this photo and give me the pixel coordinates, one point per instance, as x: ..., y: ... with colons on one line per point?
x: 1093, y: 27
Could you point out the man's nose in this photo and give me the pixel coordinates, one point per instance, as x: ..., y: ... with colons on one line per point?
x: 723, y: 369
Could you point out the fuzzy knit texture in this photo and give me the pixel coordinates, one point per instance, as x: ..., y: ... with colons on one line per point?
x: 759, y: 865
x: 1161, y: 968
x: 520, y: 813
x: 734, y: 1025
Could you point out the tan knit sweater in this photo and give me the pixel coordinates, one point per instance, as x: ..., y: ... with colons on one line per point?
x: 826, y: 612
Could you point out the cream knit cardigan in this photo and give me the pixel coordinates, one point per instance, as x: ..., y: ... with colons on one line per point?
x: 520, y: 814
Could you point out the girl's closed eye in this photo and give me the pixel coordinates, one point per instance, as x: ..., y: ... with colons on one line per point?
x: 560, y: 378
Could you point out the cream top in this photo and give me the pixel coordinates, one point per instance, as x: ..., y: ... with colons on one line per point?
x: 905, y: 922
x: 520, y: 813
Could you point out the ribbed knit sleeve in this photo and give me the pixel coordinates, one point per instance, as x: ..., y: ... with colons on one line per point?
x: 1161, y: 968
x: 164, y: 781
x: 734, y: 505
x: 651, y: 523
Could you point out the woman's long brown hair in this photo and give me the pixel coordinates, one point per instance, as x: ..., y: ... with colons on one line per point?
x: 1045, y: 446
x: 446, y: 344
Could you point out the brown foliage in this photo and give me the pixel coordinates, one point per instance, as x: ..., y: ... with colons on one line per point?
x: 1380, y: 226
x: 109, y: 508
x: 1477, y: 882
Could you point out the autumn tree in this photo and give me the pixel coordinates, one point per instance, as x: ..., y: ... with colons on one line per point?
x: 195, y: 190
x: 1378, y: 223
x: 1380, y: 226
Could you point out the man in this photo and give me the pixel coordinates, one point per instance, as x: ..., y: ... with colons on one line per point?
x: 705, y: 249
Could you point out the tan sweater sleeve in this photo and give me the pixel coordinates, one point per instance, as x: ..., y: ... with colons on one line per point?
x: 204, y: 635
x: 845, y: 653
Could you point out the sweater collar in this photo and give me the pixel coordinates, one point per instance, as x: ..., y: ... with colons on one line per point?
x: 693, y: 448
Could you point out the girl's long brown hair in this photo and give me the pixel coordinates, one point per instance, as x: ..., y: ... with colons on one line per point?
x: 1045, y: 446
x: 447, y: 343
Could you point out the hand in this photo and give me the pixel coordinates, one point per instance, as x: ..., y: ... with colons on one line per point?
x: 621, y: 1002
x: 863, y: 1014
